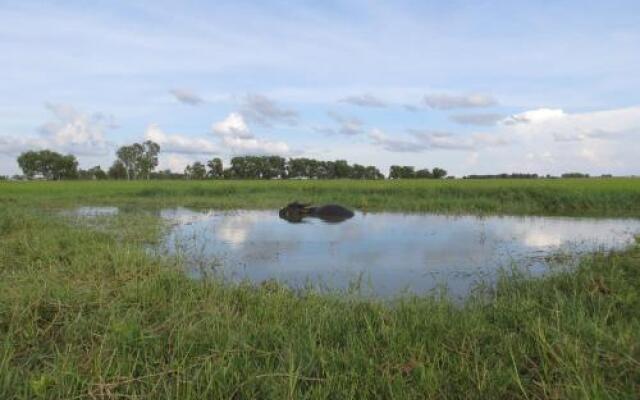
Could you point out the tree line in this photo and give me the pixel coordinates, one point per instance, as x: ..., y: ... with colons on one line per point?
x: 140, y: 160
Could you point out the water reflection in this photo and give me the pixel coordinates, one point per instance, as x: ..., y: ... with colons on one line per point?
x: 331, y: 213
x: 390, y: 253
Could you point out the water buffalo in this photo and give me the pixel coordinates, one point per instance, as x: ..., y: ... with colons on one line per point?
x: 295, y: 212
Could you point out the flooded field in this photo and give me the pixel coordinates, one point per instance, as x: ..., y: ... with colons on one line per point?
x: 383, y: 254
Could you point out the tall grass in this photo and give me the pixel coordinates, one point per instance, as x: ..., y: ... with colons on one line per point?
x: 85, y: 312
x: 571, y: 197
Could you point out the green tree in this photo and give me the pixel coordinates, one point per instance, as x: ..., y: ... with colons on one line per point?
x: 94, y: 173
x: 424, y: 174
x: 216, y: 171
x: 139, y: 159
x: 372, y: 172
x: 148, y: 159
x: 401, y: 172
x: 438, y: 173
x: 357, y: 171
x: 198, y: 170
x: 342, y: 169
x: 395, y: 172
x: 48, y: 164
x: 98, y: 173
x: 118, y: 170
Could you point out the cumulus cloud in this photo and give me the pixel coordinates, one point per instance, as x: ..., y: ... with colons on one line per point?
x: 12, y: 145
x: 443, y: 101
x: 235, y: 136
x: 186, y: 96
x: 535, y: 116
x: 364, y: 100
x: 233, y: 125
x: 422, y: 140
x: 264, y: 111
x: 178, y: 143
x: 574, y: 127
x: 554, y: 141
x: 348, y: 126
x: 379, y: 138
x: 476, y: 119
x: 174, y: 162
x: 449, y: 141
x: 76, y: 131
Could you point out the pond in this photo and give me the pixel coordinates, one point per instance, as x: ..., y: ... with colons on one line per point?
x: 384, y: 254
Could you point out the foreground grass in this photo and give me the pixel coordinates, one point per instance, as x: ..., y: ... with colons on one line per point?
x: 85, y: 313
x: 571, y: 197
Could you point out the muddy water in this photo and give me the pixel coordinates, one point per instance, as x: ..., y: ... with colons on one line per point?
x: 384, y: 254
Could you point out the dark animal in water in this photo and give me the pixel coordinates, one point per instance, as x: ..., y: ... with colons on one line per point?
x: 295, y: 212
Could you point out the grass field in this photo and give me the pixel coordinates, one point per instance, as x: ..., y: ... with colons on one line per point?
x: 85, y: 312
x: 571, y: 197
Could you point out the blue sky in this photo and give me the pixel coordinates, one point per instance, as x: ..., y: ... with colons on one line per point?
x: 471, y: 86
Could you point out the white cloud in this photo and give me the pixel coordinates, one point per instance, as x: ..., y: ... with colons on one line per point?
x: 570, y: 127
x: 186, y: 96
x: 71, y: 131
x: 348, y: 126
x: 476, y: 119
x: 379, y: 138
x: 235, y: 135
x: 443, y: 101
x: 233, y: 125
x: 364, y: 100
x: 264, y: 111
x: 422, y: 140
x: 178, y: 143
x: 77, y: 132
x: 12, y: 145
x: 174, y: 162
x: 535, y: 116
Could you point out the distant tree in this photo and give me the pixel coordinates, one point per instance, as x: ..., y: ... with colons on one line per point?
x: 277, y: 168
x: 129, y: 157
x: 408, y: 172
x: 342, y: 169
x: 94, y: 173
x: 299, y: 168
x: 424, y: 174
x: 574, y: 175
x: 118, y: 170
x: 149, y: 158
x: 4, y: 178
x: 357, y: 171
x: 505, y: 176
x: 166, y: 174
x: 228, y: 173
x: 372, y: 172
x: 438, y: 173
x: 98, y: 173
x: 48, y: 164
x: 402, y: 172
x: 326, y: 170
x: 395, y: 172
x: 139, y: 159
x: 216, y: 170
x: 197, y: 171
x: 188, y: 172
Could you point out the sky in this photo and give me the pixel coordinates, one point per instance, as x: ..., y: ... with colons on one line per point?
x: 469, y: 86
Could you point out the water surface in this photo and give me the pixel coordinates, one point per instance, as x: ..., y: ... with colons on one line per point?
x: 386, y: 253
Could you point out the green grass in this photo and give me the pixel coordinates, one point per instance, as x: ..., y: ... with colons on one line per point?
x: 571, y: 197
x: 86, y: 313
